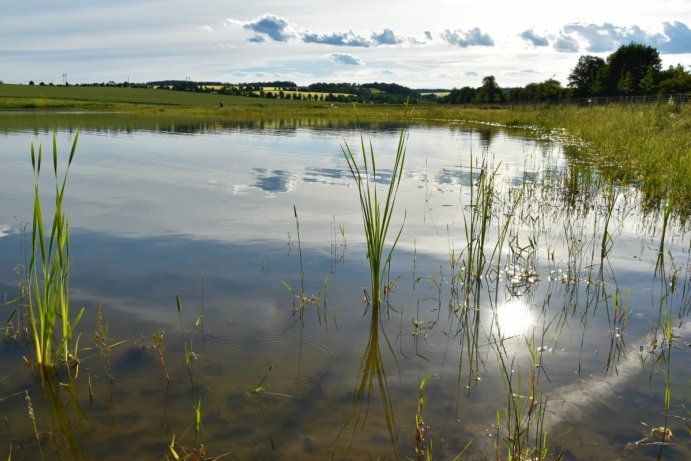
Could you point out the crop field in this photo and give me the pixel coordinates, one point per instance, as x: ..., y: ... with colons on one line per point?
x: 66, y: 97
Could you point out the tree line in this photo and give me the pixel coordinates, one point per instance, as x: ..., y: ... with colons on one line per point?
x: 376, y: 92
x: 631, y: 70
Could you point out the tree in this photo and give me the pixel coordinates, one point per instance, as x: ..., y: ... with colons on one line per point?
x: 675, y: 80
x: 549, y: 90
x: 463, y: 96
x: 634, y: 59
x: 625, y: 83
x: 489, y: 91
x: 31, y: 82
x: 648, y: 81
x: 586, y: 77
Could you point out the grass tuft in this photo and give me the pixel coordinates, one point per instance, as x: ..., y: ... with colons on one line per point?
x: 49, y: 269
x: 376, y: 218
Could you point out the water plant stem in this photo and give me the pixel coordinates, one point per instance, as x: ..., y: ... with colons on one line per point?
x: 376, y: 219
x: 49, y: 268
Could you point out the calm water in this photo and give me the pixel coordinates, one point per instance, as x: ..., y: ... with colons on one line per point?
x: 571, y: 299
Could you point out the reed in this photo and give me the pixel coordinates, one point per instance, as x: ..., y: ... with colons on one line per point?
x: 49, y: 268
x: 477, y: 226
x: 376, y: 218
x: 158, y: 345
x: 521, y: 424
x: 32, y: 417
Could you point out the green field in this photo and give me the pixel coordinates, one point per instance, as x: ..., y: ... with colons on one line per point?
x: 18, y: 97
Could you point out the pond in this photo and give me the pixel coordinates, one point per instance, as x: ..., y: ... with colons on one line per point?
x: 542, y: 307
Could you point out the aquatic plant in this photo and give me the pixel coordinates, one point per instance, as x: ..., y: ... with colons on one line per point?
x: 32, y: 417
x: 49, y: 269
x: 100, y: 340
x: 158, y: 345
x: 376, y: 219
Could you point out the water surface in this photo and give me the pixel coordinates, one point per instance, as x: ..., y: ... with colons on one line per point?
x: 577, y: 281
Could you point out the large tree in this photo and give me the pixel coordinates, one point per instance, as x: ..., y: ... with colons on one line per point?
x: 489, y: 91
x: 630, y: 64
x: 586, y: 77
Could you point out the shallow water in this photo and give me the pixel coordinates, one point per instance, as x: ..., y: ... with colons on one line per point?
x: 204, y: 209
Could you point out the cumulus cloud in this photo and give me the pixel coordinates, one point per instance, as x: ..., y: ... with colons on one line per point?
x: 386, y: 37
x: 532, y: 37
x: 353, y: 39
x: 473, y: 37
x: 678, y: 38
x: 280, y: 29
x: 347, y: 59
x: 566, y: 44
x: 257, y: 39
x: 336, y: 38
x: 607, y: 37
x: 276, y: 28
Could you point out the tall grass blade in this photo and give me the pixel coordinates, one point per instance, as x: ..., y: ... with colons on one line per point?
x: 49, y: 269
x: 376, y: 220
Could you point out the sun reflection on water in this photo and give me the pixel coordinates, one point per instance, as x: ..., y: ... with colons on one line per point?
x: 514, y: 318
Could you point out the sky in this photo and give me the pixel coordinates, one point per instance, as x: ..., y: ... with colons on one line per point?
x: 419, y: 44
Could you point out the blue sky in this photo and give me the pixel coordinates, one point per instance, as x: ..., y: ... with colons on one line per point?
x: 421, y: 44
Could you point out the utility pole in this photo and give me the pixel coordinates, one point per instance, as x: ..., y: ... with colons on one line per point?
x: 64, y: 79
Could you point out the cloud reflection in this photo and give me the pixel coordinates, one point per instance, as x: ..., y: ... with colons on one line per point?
x: 273, y: 181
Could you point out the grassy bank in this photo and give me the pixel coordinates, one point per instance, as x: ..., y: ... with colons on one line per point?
x: 649, y: 145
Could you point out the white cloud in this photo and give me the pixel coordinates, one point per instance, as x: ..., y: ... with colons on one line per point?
x: 678, y: 38
x: 607, y: 37
x: 473, y: 37
x: 276, y: 28
x: 349, y: 38
x: 536, y: 40
x: 566, y: 44
x: 345, y: 58
x: 386, y: 37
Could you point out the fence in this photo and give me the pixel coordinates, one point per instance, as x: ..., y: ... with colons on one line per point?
x: 678, y: 99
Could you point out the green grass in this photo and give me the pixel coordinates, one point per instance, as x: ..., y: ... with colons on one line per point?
x: 24, y: 96
x: 49, y: 305
x: 648, y: 145
x: 376, y: 218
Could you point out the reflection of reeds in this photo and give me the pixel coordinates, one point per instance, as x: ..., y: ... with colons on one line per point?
x: 49, y: 268
x: 484, y: 209
x: 373, y: 376
x: 69, y: 422
x: 522, y: 421
x: 376, y: 219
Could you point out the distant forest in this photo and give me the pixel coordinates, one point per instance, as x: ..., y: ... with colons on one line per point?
x: 631, y: 70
